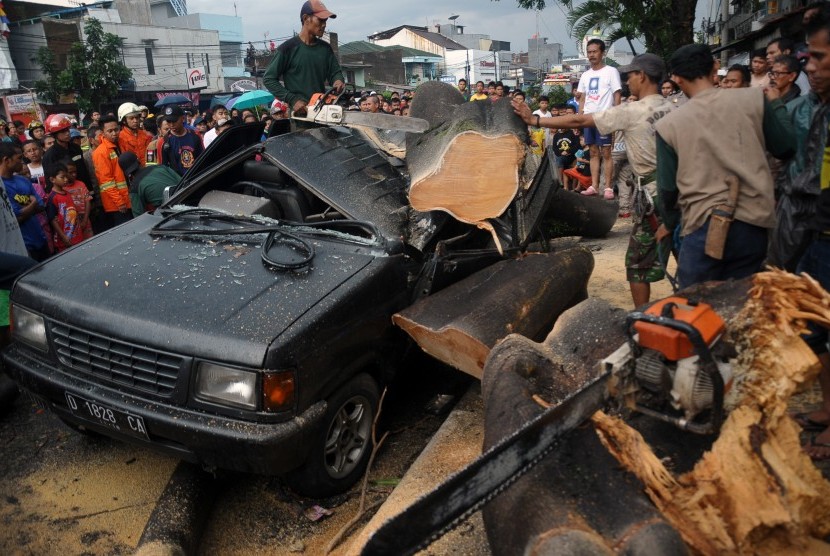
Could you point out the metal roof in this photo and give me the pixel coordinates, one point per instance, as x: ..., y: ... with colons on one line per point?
x: 364, y: 47
x: 437, y: 38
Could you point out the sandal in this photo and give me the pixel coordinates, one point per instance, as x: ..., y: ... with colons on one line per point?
x: 823, y: 452
x: 807, y: 424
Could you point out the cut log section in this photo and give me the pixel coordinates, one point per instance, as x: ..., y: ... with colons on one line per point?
x: 470, y: 164
x: 460, y: 324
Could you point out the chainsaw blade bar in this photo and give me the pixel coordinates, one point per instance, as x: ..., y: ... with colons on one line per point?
x: 385, y: 121
x: 465, y: 492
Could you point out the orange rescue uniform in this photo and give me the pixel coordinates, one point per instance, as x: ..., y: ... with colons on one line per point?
x: 135, y: 142
x: 111, y: 181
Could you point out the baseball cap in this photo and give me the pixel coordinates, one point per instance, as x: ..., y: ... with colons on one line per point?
x: 172, y: 112
x: 650, y: 64
x: 128, y: 162
x: 73, y: 133
x: 315, y: 7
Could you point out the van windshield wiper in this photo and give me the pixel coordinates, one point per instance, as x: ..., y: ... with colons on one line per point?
x: 295, y: 252
x: 283, y: 236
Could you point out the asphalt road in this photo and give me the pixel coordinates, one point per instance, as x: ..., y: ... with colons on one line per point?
x: 64, y: 492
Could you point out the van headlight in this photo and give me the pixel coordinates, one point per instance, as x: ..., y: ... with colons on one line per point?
x: 29, y: 328
x: 226, y: 385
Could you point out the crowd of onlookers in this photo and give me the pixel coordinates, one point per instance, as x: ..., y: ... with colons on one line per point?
x: 66, y: 181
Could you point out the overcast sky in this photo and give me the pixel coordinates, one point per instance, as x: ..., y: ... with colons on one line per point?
x: 357, y: 19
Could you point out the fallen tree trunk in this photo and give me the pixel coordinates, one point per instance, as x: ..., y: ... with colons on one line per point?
x: 460, y: 324
x: 469, y: 164
x: 577, y: 500
x: 589, y: 216
x: 753, y: 492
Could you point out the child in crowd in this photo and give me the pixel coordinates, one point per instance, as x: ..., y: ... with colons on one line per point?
x: 33, y: 153
x: 38, y: 182
x: 80, y: 194
x: 60, y: 208
x: 565, y: 143
x: 580, y: 171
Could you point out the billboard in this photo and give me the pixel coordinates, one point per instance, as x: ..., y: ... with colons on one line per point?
x: 22, y: 107
x: 196, y: 78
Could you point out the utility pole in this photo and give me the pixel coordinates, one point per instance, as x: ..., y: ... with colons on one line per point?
x: 467, y: 71
x: 724, y: 17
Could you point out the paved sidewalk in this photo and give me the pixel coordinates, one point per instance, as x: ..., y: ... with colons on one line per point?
x: 456, y: 444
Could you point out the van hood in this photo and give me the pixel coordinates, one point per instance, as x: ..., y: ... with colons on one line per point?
x: 224, y: 298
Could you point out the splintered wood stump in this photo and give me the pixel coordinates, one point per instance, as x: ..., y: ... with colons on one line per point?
x: 749, y: 490
x: 756, y: 491
x: 460, y: 324
x: 469, y: 164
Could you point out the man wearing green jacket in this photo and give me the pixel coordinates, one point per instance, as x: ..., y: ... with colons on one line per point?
x: 304, y: 64
x: 146, y: 185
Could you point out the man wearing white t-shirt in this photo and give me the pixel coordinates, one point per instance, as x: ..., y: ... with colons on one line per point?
x: 219, y: 113
x: 601, y: 89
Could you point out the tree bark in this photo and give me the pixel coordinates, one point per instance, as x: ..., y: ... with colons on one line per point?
x: 587, y: 216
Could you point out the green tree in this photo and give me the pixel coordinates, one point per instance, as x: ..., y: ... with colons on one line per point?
x: 93, y: 70
x: 662, y: 25
x: 558, y: 95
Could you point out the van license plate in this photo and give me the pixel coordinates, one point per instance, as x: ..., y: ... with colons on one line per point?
x: 101, y: 414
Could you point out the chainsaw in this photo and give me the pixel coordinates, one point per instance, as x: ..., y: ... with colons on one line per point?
x: 667, y: 369
x: 323, y: 108
x: 673, y: 367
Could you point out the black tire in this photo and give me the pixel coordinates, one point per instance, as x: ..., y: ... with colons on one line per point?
x: 8, y: 393
x: 342, y: 448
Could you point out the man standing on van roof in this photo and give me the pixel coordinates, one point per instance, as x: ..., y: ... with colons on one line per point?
x: 303, y: 64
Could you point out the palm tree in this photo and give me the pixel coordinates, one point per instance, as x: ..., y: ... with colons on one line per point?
x: 663, y: 25
x: 603, y: 15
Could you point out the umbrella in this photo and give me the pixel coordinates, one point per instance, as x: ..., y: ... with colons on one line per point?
x: 231, y: 102
x: 252, y: 99
x: 172, y: 99
x: 220, y: 99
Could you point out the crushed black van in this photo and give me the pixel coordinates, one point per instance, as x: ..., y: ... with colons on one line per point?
x: 246, y: 323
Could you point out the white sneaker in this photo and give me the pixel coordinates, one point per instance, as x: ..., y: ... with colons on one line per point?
x: 590, y: 191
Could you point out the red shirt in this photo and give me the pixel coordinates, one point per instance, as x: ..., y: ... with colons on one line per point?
x: 60, y: 208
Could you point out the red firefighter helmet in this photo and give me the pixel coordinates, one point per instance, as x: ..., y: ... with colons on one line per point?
x: 57, y: 122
